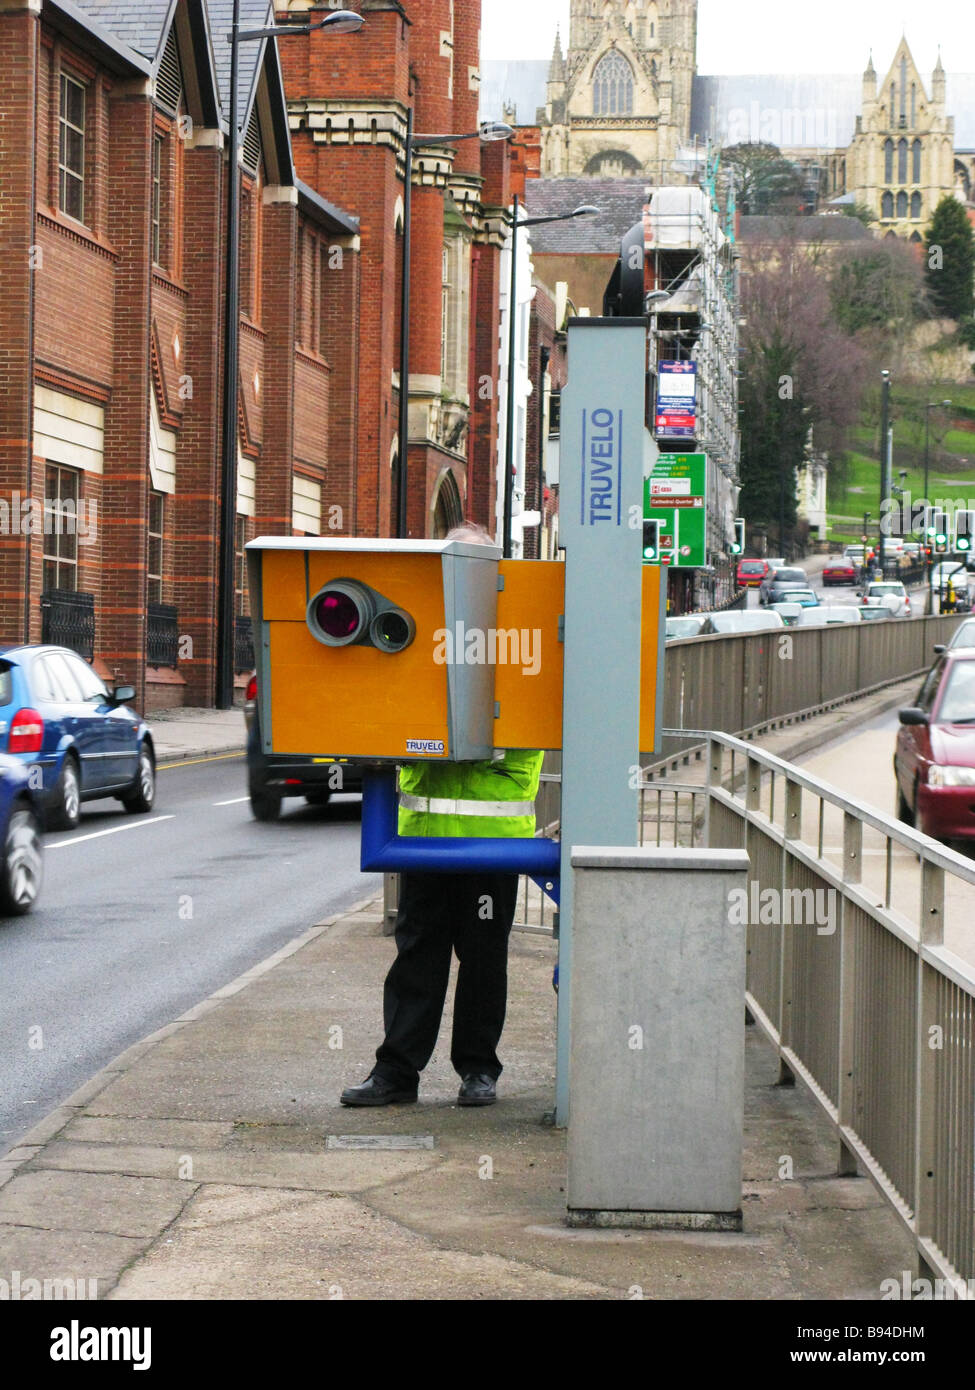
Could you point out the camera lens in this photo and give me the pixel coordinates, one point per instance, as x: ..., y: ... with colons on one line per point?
x: 339, y: 613
x: 393, y: 630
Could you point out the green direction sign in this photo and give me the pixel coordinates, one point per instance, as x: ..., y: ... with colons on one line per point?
x: 675, y: 494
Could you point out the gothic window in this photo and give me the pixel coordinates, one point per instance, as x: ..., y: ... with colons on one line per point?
x: 916, y: 162
x: 902, y: 205
x: 915, y: 207
x: 887, y: 205
x: 612, y: 86
x: 902, y: 161
x: 889, y: 161
x: 903, y: 92
x: 893, y: 101
x: 913, y: 105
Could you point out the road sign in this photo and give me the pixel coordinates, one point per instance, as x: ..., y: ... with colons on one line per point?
x: 675, y: 495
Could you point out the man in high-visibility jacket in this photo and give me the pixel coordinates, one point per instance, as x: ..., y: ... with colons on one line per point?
x: 440, y: 913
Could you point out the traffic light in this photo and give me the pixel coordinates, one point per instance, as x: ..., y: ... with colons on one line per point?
x: 651, y: 542
x: 738, y: 544
x: 939, y: 532
x: 964, y: 531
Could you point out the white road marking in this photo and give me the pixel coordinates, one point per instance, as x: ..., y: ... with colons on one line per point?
x: 97, y: 834
x: 235, y: 802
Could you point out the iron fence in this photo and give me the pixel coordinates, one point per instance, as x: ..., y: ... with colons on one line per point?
x: 68, y: 620
x: 243, y: 644
x: 162, y: 635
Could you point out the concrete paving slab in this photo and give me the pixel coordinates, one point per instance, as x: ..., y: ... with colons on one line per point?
x: 106, y: 1204
x: 265, y: 1244
x: 181, y: 1134
x: 58, y: 1254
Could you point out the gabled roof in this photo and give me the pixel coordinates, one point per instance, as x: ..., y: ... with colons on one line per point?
x: 620, y: 202
x: 142, y: 24
x: 254, y: 14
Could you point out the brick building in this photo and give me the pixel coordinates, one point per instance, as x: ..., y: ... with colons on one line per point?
x: 113, y: 216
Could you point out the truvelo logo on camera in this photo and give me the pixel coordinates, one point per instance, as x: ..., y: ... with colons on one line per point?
x: 425, y: 745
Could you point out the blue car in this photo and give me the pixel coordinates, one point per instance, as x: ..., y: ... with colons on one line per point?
x: 20, y: 839
x: 78, y: 741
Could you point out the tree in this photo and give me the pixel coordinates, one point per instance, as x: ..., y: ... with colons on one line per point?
x: 802, y: 380
x: 877, y: 288
x: 950, y: 260
x: 764, y: 180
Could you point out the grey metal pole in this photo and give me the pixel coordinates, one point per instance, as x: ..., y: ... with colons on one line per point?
x: 509, y: 440
x: 228, y: 492
x: 404, y: 348
x: 884, y: 422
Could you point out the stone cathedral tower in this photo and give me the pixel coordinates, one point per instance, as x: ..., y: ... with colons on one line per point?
x: 619, y: 101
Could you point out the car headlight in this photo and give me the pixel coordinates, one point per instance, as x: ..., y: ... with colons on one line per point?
x: 951, y: 777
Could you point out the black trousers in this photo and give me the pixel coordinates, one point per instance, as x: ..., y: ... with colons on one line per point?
x: 439, y: 913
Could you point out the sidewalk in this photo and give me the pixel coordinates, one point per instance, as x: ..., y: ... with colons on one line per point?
x: 196, y: 733
x: 213, y: 1160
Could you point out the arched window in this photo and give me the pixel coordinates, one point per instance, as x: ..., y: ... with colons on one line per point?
x: 887, y: 205
x: 902, y: 205
x: 902, y: 161
x: 913, y: 105
x: 916, y: 162
x: 889, y: 161
x: 612, y: 86
x: 916, y: 238
x: 915, y: 207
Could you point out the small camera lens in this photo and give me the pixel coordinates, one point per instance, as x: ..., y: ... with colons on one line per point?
x: 393, y: 630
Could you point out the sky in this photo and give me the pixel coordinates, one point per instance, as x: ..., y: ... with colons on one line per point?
x: 769, y: 36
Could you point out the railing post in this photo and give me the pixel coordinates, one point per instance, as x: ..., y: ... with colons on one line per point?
x: 845, y: 1089
x: 792, y: 830
x: 926, y: 1177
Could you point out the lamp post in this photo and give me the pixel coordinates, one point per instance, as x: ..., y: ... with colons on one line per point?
x: 341, y: 22
x: 884, y: 455
x: 486, y: 132
x: 586, y: 210
x: 928, y: 560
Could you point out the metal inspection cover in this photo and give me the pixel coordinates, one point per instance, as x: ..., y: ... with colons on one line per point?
x: 379, y: 1141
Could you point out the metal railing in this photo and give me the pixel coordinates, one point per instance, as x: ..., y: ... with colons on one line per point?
x: 68, y: 620
x: 860, y: 971
x: 162, y: 635
x: 742, y: 681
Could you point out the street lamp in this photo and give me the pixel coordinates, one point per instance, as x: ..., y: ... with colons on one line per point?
x: 934, y: 405
x: 341, y: 22
x: 586, y: 210
x: 486, y: 132
x: 928, y: 560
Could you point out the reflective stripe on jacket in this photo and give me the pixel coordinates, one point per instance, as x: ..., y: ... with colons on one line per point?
x: 492, y: 800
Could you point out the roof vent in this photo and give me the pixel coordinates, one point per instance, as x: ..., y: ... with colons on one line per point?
x: 169, y: 78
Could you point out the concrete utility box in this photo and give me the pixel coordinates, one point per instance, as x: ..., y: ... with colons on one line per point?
x: 657, y: 1039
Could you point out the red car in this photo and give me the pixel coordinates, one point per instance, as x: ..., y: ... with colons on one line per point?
x: 752, y: 572
x: 934, y: 761
x: 839, y: 572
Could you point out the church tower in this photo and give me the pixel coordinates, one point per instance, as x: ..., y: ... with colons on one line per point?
x: 619, y: 101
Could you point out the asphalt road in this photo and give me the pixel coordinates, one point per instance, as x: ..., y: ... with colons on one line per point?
x: 141, y: 917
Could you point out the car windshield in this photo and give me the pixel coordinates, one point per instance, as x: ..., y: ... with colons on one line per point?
x: 752, y: 567
x: 958, y: 701
x: 791, y: 576
x: 964, y: 636
x: 684, y: 627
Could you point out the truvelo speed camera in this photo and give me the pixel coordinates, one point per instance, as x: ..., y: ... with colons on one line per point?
x: 346, y: 612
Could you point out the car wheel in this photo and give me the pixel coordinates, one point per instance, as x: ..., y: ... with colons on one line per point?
x: 318, y: 798
x: 265, y: 804
x: 20, y: 869
x: 65, y: 811
x: 143, y: 795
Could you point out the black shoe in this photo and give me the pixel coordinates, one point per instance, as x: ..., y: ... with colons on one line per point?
x: 376, y: 1090
x: 477, y: 1089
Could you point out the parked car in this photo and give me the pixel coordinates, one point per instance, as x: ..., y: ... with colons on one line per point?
x: 783, y: 577
x: 58, y: 716
x: 788, y: 612
x: 20, y: 839
x: 687, y: 625
x: 748, y: 620
x: 752, y: 572
x: 872, y: 612
x: 934, y: 758
x: 891, y: 593
x: 827, y: 613
x: 273, y: 776
x: 840, y: 572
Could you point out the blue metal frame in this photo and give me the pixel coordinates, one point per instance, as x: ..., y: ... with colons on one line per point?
x: 385, y: 851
